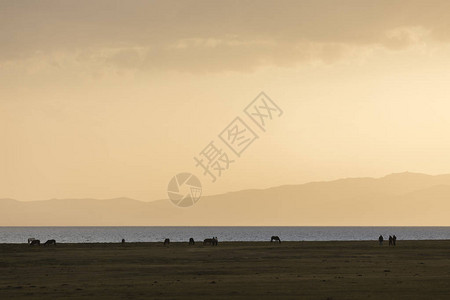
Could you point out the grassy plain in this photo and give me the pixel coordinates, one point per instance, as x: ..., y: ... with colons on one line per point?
x: 293, y: 270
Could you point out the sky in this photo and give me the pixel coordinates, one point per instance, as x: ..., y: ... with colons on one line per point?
x: 104, y: 99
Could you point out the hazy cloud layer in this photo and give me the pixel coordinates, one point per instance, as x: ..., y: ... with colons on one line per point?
x: 201, y: 36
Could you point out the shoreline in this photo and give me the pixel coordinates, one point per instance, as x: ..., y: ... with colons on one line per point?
x: 385, y: 243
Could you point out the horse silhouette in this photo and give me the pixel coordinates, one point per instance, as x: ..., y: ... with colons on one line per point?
x: 275, y: 238
x: 35, y: 242
x: 191, y: 241
x: 166, y: 241
x: 50, y: 242
x: 213, y: 241
x: 30, y: 240
x: 208, y: 241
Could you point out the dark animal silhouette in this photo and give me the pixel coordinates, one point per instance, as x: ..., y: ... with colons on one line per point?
x: 123, y: 241
x: 390, y: 241
x: 208, y: 241
x: 30, y: 240
x: 35, y: 242
x: 394, y: 240
x: 380, y: 240
x: 166, y: 241
x: 213, y: 241
x: 275, y: 238
x: 191, y: 241
x: 50, y: 242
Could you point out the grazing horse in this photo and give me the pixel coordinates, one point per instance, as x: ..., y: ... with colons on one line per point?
x: 166, y: 241
x: 30, y: 240
x: 213, y: 242
x: 35, y: 242
x: 191, y: 241
x: 50, y: 242
x: 275, y: 238
x: 208, y: 241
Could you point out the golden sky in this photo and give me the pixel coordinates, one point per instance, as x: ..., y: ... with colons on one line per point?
x: 112, y: 98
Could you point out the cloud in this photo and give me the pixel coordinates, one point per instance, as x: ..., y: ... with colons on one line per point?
x: 213, y: 36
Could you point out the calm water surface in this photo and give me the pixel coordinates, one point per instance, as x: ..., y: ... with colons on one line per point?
x: 176, y: 234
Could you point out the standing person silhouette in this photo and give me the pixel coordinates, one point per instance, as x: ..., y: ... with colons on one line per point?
x: 394, y: 239
x: 390, y: 240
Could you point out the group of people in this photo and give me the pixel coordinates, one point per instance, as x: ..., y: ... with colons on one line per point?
x: 392, y: 240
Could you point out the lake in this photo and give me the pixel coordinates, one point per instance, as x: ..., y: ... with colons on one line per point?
x: 179, y: 234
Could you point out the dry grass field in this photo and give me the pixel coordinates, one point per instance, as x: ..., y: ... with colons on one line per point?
x: 296, y: 270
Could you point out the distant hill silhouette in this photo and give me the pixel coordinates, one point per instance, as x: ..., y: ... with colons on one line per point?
x: 404, y: 199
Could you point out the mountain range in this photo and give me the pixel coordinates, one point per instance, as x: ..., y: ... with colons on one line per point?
x: 401, y: 199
